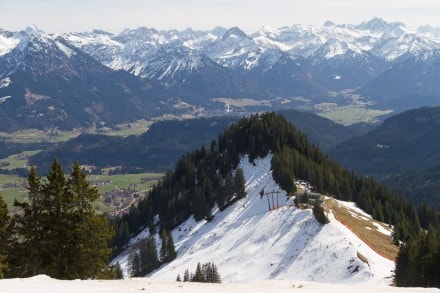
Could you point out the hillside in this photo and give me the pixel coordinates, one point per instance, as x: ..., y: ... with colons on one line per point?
x: 213, y: 205
x: 156, y: 150
x: 404, y: 151
x: 166, y: 141
x: 408, y: 84
x: 319, y: 130
x: 413, y: 135
x: 50, y: 83
x: 249, y: 243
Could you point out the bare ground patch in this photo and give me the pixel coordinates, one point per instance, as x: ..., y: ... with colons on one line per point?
x: 365, y: 228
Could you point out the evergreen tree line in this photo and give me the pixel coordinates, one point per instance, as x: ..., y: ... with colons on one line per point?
x: 55, y: 232
x: 206, y: 273
x: 200, y: 180
x: 144, y: 258
x: 418, y: 261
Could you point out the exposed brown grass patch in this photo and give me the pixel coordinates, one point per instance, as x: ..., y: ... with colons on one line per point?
x: 364, y: 229
x: 362, y: 258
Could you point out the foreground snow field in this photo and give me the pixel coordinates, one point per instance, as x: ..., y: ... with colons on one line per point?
x: 45, y: 284
x: 249, y: 243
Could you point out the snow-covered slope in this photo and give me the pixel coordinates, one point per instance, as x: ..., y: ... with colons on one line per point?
x: 45, y: 284
x: 248, y: 242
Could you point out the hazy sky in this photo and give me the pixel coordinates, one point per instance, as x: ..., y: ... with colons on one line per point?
x: 59, y: 16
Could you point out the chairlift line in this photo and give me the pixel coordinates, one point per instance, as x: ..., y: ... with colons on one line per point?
x: 270, y: 195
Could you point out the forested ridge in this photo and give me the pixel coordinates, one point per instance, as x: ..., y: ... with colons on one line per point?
x: 208, y: 175
x: 403, y: 153
x: 166, y: 141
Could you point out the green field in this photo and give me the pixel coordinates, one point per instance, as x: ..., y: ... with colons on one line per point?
x: 17, y: 160
x: 11, y: 192
x: 348, y: 115
x: 134, y: 128
x: 55, y: 135
x: 38, y: 136
x: 12, y: 187
x: 143, y: 181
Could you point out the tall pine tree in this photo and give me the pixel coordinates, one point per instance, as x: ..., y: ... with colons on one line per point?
x: 59, y: 234
x: 26, y: 258
x: 167, y: 251
x: 4, y: 236
x: 239, y: 183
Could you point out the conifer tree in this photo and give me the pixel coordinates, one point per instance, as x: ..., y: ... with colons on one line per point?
x: 28, y: 225
x: 167, y: 251
x: 210, y: 272
x: 186, y: 277
x: 229, y: 188
x: 59, y: 233
x: 148, y: 255
x: 318, y: 212
x: 92, y: 232
x: 118, y: 275
x: 198, y: 275
x: 220, y: 198
x: 199, y: 205
x: 239, y: 183
x: 4, y: 236
x: 135, y: 264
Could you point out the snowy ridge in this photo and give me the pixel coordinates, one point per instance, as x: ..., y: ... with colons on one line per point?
x: 166, y: 54
x: 134, y: 50
x: 248, y: 242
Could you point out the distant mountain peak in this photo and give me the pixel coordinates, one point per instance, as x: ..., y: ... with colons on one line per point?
x: 378, y: 24
x: 329, y: 23
x: 234, y: 32
x: 33, y: 30
x: 101, y: 32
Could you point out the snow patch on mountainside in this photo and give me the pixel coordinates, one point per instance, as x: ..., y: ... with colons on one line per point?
x: 4, y: 83
x: 4, y: 99
x: 66, y: 50
x: 248, y: 242
x: 8, y: 44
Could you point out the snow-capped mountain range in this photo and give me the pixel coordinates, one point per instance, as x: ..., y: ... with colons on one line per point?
x: 196, y: 67
x: 134, y: 50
